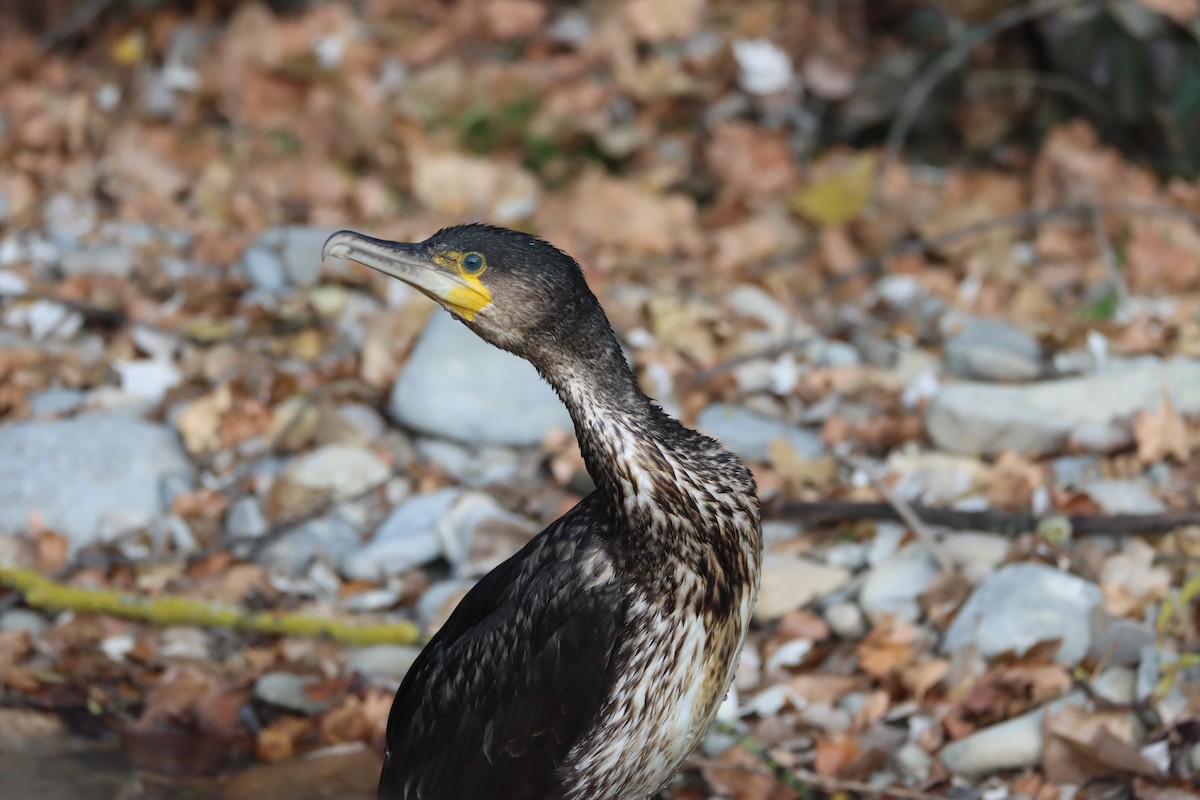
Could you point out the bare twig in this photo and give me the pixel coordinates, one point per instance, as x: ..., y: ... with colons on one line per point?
x: 1111, y: 261
x: 946, y: 63
x: 905, y: 512
x: 833, y: 511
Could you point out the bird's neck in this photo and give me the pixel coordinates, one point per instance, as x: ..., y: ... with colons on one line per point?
x: 621, y: 433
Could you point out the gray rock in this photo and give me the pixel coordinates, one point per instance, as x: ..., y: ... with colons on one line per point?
x: 93, y: 476
x: 383, y: 660
x: 478, y: 533
x: 408, y: 538
x: 476, y: 467
x: 264, y: 268
x: 107, y: 259
x: 301, y: 253
x: 1121, y: 641
x: 327, y: 539
x: 981, y: 418
x: 55, y: 402
x: 456, y: 386
x: 1023, y: 604
x: 1012, y: 744
x: 21, y: 619
x: 345, y: 470
x: 990, y: 350
x: 287, y: 691
x: 1128, y: 496
x: 245, y: 519
x: 750, y: 435
x: 977, y: 553
x: 439, y: 601
x: 892, y: 586
x: 845, y: 620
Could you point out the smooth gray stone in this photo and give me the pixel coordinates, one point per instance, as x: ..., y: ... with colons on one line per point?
x: 92, y: 476
x: 750, y: 435
x: 1023, y: 604
x: 992, y: 350
x: 456, y: 386
x: 408, y: 538
x: 985, y: 418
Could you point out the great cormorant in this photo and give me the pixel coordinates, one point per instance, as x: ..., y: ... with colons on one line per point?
x: 589, y: 665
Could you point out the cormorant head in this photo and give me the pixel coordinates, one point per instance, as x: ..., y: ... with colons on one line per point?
x: 514, y: 290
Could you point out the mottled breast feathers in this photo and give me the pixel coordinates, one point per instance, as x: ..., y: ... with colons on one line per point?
x: 496, y: 700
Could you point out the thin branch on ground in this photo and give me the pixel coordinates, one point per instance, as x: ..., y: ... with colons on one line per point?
x: 904, y: 511
x: 1009, y: 524
x: 945, y: 64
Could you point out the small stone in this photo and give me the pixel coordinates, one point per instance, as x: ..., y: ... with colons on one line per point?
x: 789, y: 583
x: 990, y: 349
x: 63, y: 471
x: 287, y: 691
x: 1121, y: 641
x: 264, y: 268
x: 345, y: 470
x: 245, y: 519
x: 107, y: 259
x: 325, y: 539
x: 1117, y: 685
x: 478, y: 533
x: 55, y: 402
x: 1013, y: 744
x: 408, y: 538
x: 846, y: 620
x: 984, y: 418
x: 750, y: 435
x: 977, y: 554
x: 483, y: 394
x: 892, y: 587
x: 21, y: 619
x: 1023, y: 604
x: 1117, y: 496
x: 473, y: 467
x: 382, y: 661
x: 834, y: 353
x: 439, y: 602
x: 301, y: 253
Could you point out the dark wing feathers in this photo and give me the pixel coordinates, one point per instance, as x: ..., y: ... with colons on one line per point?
x: 502, y: 692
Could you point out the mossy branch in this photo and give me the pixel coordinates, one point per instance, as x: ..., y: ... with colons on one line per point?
x: 50, y: 595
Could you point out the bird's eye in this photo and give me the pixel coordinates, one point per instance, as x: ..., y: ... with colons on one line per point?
x: 472, y: 262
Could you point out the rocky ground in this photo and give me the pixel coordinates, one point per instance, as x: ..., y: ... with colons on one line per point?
x: 195, y: 406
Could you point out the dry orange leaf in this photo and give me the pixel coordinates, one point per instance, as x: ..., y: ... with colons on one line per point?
x: 835, y: 753
x: 1161, y: 433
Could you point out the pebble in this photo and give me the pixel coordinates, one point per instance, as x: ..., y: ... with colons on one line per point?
x: 1013, y: 744
x: 63, y: 471
x: 245, y: 519
x: 1023, y: 604
x: 55, y: 402
x: 22, y: 619
x: 105, y: 259
x: 456, y: 386
x: 287, y: 691
x: 478, y: 467
x: 1123, y: 496
x: 1117, y: 685
x: 892, y: 587
x: 976, y: 553
x: 478, y: 533
x: 408, y: 538
x: 297, y: 257
x: 846, y: 620
x: 989, y: 349
x: 983, y: 418
x: 750, y: 435
x: 264, y: 268
x: 789, y: 583
x: 326, y: 539
x: 1121, y: 641
x: 382, y: 660
x: 439, y: 601
x: 345, y: 470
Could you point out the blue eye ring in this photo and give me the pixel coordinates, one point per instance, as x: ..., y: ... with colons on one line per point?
x: 472, y: 263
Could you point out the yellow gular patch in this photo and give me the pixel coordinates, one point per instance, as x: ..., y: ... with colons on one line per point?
x: 466, y: 300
